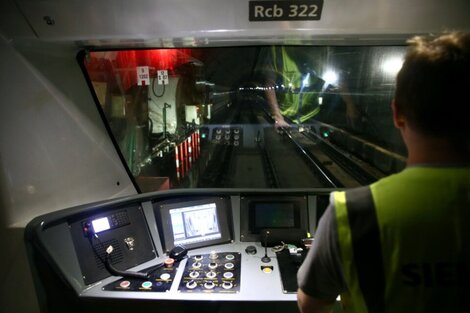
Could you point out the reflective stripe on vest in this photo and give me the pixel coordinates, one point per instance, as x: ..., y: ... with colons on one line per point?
x: 361, y: 251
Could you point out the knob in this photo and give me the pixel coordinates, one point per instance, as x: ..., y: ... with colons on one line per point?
x: 209, y: 285
x: 211, y: 274
x: 191, y: 284
x: 213, y: 255
x: 212, y: 265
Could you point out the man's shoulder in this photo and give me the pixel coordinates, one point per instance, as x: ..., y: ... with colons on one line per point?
x: 424, y: 174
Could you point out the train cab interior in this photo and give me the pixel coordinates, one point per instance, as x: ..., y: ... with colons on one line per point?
x: 178, y: 155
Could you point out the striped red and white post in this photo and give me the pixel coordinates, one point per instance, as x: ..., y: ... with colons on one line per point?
x: 182, y: 159
x: 190, y: 151
x: 177, y: 161
x: 198, y: 135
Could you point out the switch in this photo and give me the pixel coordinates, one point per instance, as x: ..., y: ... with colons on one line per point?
x: 130, y: 243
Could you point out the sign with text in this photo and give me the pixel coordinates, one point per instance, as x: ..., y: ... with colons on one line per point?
x: 285, y: 10
x: 162, y: 77
x: 143, y: 77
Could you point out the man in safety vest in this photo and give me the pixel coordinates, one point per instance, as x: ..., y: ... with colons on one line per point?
x: 295, y: 90
x: 298, y: 88
x: 402, y: 244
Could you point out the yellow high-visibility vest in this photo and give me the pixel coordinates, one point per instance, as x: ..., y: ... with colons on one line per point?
x: 298, y: 106
x: 405, y: 242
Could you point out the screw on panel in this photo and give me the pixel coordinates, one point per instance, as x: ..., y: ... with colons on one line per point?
x: 49, y: 20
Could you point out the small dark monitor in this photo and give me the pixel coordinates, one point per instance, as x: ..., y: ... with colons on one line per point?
x: 196, y: 223
x: 273, y: 215
x: 285, y: 214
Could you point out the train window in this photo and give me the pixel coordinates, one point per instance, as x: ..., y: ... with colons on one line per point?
x: 250, y: 117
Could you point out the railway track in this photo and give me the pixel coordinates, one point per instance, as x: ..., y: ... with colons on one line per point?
x: 296, y: 157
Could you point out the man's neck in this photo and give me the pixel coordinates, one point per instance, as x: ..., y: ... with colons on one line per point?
x: 430, y: 150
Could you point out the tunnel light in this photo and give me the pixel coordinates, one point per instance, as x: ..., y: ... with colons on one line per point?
x: 391, y: 66
x: 306, y: 80
x: 330, y: 77
x: 205, y: 83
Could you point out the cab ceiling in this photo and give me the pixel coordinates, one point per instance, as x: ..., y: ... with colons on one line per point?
x: 163, y: 23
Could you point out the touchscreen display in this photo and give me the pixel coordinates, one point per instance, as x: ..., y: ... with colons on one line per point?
x: 193, y: 224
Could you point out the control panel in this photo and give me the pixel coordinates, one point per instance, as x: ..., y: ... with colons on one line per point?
x: 212, y: 273
x: 204, y: 245
x: 160, y: 280
x: 118, y: 238
x: 228, y: 135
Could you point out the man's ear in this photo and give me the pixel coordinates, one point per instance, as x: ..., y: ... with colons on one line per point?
x: 398, y: 118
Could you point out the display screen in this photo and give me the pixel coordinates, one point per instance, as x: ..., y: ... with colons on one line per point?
x: 274, y: 215
x: 194, y: 224
x: 100, y: 224
x: 283, y: 214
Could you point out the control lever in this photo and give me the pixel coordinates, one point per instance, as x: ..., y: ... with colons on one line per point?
x: 178, y: 253
x: 266, y: 259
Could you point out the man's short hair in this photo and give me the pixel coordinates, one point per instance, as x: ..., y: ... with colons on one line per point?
x: 433, y: 86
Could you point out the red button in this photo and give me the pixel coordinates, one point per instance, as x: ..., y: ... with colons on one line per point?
x: 125, y: 284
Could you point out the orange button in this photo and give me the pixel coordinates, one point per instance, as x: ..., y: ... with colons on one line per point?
x: 169, y: 262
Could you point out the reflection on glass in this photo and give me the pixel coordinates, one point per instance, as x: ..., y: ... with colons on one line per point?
x: 252, y: 117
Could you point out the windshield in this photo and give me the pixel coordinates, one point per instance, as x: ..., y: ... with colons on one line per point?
x: 251, y: 117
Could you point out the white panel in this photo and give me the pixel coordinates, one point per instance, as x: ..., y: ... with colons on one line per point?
x: 156, y: 105
x: 54, y: 153
x: 191, y: 114
x: 55, y: 150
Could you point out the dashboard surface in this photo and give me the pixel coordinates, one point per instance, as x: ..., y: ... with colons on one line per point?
x: 229, y: 234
